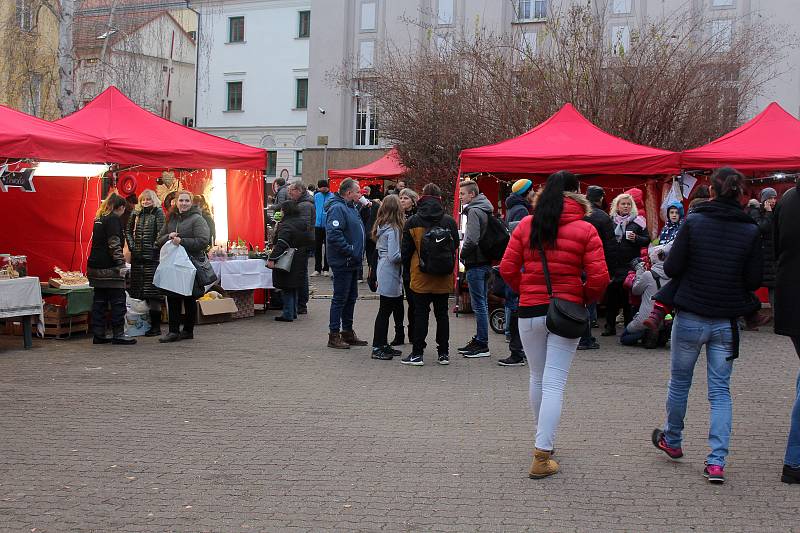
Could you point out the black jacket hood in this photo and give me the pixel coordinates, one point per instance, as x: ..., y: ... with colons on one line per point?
x: 430, y: 209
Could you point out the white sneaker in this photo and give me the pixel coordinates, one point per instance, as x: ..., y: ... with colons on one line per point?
x: 315, y: 273
x: 326, y: 273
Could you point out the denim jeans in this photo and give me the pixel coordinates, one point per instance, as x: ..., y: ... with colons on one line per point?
x: 588, y: 339
x: 549, y: 357
x: 478, y: 281
x: 343, y: 303
x: 793, y: 445
x: 629, y: 338
x: 512, y: 302
x: 689, y: 333
x: 290, y: 302
x: 302, y: 292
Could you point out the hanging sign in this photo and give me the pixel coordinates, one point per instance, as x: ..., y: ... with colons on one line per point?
x: 14, y: 175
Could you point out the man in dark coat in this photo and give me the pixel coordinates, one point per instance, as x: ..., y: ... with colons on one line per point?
x: 786, y: 311
x: 308, y: 213
x: 762, y: 213
x: 605, y: 229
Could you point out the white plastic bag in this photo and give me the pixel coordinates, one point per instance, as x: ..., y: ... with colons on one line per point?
x: 175, y: 270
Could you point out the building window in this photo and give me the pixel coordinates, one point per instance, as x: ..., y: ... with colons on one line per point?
x: 366, y: 54
x: 366, y: 131
x: 620, y: 40
x: 304, y: 30
x: 24, y: 15
x: 368, y: 12
x: 33, y: 95
x: 721, y: 35
x: 298, y: 163
x: 272, y: 163
x: 722, y: 3
x: 620, y: 7
x: 301, y: 94
x: 234, y: 96
x: 236, y: 30
x: 531, y: 9
x: 445, y: 12
x: 529, y: 43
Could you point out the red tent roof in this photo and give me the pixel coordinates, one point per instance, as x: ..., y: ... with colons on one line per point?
x: 135, y: 136
x: 769, y: 141
x: 568, y: 141
x: 25, y: 136
x: 388, y: 166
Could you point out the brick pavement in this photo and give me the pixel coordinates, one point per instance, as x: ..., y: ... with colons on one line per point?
x: 256, y: 426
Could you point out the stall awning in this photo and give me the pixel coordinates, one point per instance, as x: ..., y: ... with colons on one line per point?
x: 388, y: 166
x: 568, y: 141
x: 26, y: 137
x: 135, y: 136
x: 769, y: 141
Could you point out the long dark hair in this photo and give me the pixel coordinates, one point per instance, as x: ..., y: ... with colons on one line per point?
x: 728, y: 183
x: 549, y: 206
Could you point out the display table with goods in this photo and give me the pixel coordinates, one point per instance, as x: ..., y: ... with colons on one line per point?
x: 240, y: 277
x: 22, y: 298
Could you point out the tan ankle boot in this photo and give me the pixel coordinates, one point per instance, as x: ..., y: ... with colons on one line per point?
x: 352, y: 339
x: 542, y: 465
x: 335, y: 341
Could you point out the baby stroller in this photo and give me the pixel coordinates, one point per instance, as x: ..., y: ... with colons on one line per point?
x: 497, y: 302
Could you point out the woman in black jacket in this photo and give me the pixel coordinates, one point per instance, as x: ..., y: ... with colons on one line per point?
x: 292, y: 232
x: 104, y: 270
x: 715, y: 261
x: 144, y: 226
x: 185, y: 227
x: 630, y: 236
x: 762, y: 213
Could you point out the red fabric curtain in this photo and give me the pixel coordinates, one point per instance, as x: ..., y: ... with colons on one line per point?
x: 52, y: 226
x: 246, y: 206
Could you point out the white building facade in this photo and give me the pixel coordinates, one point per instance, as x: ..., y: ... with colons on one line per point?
x: 253, y: 69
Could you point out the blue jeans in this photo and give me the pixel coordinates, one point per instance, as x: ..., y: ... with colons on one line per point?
x: 689, y: 333
x: 343, y: 303
x: 290, y: 303
x: 512, y: 302
x: 631, y: 338
x: 478, y: 281
x: 793, y: 445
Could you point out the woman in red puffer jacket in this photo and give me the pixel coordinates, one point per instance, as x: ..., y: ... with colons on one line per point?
x: 574, y: 252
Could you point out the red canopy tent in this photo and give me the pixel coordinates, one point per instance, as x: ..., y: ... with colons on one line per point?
x: 770, y: 141
x: 387, y: 167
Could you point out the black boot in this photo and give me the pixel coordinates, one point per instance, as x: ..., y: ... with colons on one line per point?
x: 790, y: 474
x: 399, y: 337
x: 155, y: 324
x: 120, y: 337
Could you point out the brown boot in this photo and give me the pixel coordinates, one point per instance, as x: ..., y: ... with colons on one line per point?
x: 335, y: 341
x: 542, y: 465
x: 350, y: 338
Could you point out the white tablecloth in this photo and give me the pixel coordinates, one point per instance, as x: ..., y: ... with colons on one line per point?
x: 22, y: 297
x: 243, y: 274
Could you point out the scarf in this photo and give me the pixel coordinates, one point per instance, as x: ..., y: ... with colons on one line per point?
x: 621, y: 223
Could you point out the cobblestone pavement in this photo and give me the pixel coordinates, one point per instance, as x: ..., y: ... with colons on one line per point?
x: 256, y: 426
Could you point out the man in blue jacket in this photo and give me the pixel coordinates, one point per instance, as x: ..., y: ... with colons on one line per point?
x: 344, y: 235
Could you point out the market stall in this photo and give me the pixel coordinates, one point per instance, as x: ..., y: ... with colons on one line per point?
x: 378, y: 172
x: 21, y: 298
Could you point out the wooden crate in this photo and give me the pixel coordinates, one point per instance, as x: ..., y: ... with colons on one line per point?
x: 66, y: 326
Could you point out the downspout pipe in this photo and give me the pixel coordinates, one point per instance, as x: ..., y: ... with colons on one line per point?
x: 196, y: 58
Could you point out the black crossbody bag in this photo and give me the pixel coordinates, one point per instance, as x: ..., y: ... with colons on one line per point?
x: 564, y: 318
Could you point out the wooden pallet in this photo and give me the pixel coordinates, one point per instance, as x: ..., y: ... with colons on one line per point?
x: 65, y: 327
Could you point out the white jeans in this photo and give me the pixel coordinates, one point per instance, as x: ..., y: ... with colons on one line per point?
x: 549, y: 357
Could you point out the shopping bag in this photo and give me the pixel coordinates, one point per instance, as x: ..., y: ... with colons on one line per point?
x: 175, y: 272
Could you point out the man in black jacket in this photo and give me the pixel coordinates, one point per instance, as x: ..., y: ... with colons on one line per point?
x: 605, y: 229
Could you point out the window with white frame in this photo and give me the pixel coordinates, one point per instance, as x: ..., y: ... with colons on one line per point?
x: 722, y: 3
x: 366, y: 123
x: 531, y: 9
x: 298, y: 163
x: 368, y: 15
x: 366, y: 54
x: 301, y: 93
x: 234, y: 96
x: 24, y: 15
x: 304, y: 24
x: 621, y: 7
x: 721, y: 34
x: 620, y: 40
x: 236, y: 29
x: 272, y: 163
x: 444, y: 12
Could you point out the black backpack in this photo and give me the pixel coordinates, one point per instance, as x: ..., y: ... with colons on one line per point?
x: 495, y: 239
x: 437, y: 252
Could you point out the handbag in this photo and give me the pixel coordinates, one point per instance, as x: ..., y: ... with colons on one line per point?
x: 285, y: 260
x: 205, y: 272
x: 564, y: 318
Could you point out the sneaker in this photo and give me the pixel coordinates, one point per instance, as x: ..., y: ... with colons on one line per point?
x: 479, y: 350
x: 508, y: 337
x: 660, y: 442
x: 594, y: 345
x: 379, y: 352
x: 413, y: 359
x: 714, y: 474
x: 512, y: 360
x: 315, y: 274
x: 326, y: 273
x: 470, y: 345
x: 444, y: 359
x: 388, y: 349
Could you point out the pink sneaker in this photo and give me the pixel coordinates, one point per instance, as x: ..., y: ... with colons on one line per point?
x: 659, y: 442
x: 714, y: 474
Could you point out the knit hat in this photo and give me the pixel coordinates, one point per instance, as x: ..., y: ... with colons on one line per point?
x: 595, y: 193
x: 521, y: 187
x: 768, y: 193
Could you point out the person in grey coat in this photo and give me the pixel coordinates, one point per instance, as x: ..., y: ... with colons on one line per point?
x: 386, y: 234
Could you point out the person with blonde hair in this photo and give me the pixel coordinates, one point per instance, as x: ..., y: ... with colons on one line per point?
x: 104, y: 270
x: 386, y: 234
x: 630, y: 236
x: 144, y: 226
